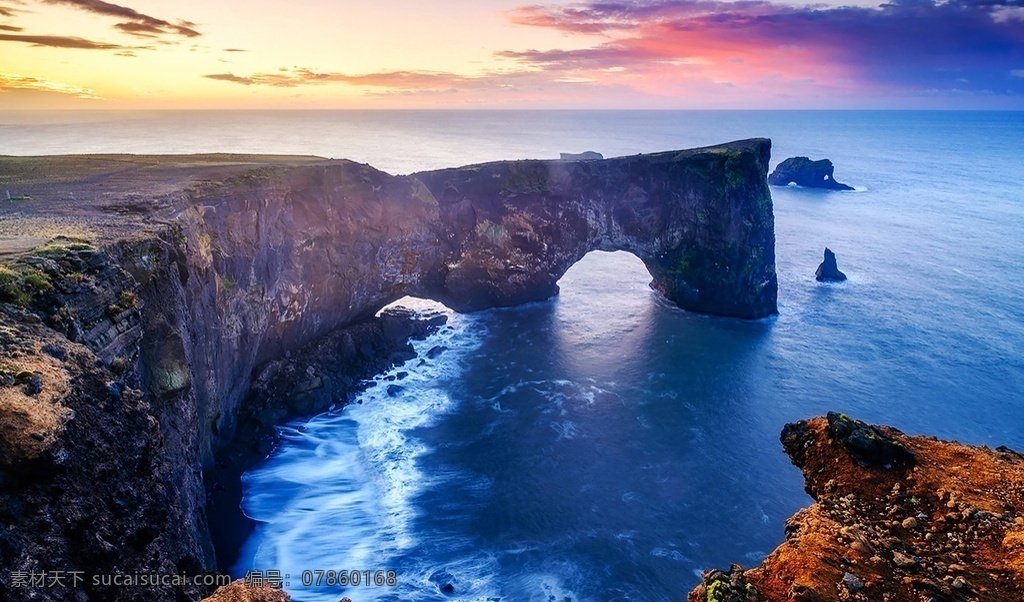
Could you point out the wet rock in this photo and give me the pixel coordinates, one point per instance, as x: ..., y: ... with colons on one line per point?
x: 436, y: 351
x: 395, y: 390
x: 804, y: 172
x: 444, y: 581
x: 828, y: 270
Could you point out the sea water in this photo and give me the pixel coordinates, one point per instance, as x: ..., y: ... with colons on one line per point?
x: 605, y: 444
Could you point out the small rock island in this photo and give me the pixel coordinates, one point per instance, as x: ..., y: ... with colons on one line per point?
x: 809, y: 174
x: 828, y: 270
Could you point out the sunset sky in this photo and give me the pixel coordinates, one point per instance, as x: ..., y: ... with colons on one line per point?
x: 651, y: 54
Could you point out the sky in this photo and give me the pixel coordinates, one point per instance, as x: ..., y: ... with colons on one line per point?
x: 510, y: 54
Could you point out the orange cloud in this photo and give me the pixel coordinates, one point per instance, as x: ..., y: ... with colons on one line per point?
x: 15, y: 82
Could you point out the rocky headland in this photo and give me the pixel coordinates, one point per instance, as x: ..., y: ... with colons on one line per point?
x: 151, y: 308
x: 896, y: 518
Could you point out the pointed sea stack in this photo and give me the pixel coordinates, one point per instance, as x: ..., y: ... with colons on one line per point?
x: 804, y: 172
x: 828, y: 271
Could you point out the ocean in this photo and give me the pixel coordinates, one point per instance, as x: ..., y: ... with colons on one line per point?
x: 605, y: 444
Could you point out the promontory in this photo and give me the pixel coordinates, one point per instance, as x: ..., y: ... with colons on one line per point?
x: 141, y: 297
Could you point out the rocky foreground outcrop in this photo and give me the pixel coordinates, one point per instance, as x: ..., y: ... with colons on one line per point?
x: 130, y: 346
x: 239, y: 591
x: 809, y: 174
x: 896, y: 518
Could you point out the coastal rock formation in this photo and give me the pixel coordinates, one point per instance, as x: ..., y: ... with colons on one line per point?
x: 896, y: 518
x: 584, y: 156
x: 700, y: 221
x: 130, y: 348
x: 828, y: 269
x: 804, y: 172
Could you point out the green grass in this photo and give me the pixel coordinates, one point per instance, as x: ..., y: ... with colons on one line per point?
x: 21, y: 284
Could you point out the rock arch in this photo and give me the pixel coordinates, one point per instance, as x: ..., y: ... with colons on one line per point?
x: 700, y: 220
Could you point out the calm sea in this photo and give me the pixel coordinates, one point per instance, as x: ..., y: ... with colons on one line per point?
x: 604, y: 444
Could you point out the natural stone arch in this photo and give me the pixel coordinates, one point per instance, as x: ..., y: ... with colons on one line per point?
x: 700, y: 220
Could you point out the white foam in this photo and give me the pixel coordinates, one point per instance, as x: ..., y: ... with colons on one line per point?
x: 670, y: 554
x: 339, y: 492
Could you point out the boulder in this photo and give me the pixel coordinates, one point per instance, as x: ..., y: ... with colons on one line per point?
x: 868, y: 444
x: 804, y: 172
x: 828, y: 270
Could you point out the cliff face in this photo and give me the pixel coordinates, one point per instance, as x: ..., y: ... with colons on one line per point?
x: 134, y: 359
x: 896, y: 518
x: 270, y: 259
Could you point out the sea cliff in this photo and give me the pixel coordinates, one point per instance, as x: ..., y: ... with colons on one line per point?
x: 143, y: 297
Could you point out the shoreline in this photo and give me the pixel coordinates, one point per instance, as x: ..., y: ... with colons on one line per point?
x: 287, y: 384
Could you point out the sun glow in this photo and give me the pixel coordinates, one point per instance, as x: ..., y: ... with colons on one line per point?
x: 505, y: 54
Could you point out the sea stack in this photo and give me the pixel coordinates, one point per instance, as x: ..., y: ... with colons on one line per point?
x: 804, y: 172
x: 828, y: 271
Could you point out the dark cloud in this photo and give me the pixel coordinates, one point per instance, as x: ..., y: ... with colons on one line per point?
x: 235, y: 50
x: 907, y: 44
x: 8, y: 11
x: 133, y: 18
x: 143, y: 30
x: 10, y: 28
x: 59, y: 42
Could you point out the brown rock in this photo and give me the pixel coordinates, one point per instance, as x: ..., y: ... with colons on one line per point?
x: 238, y: 591
x: 855, y: 499
x: 902, y: 560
